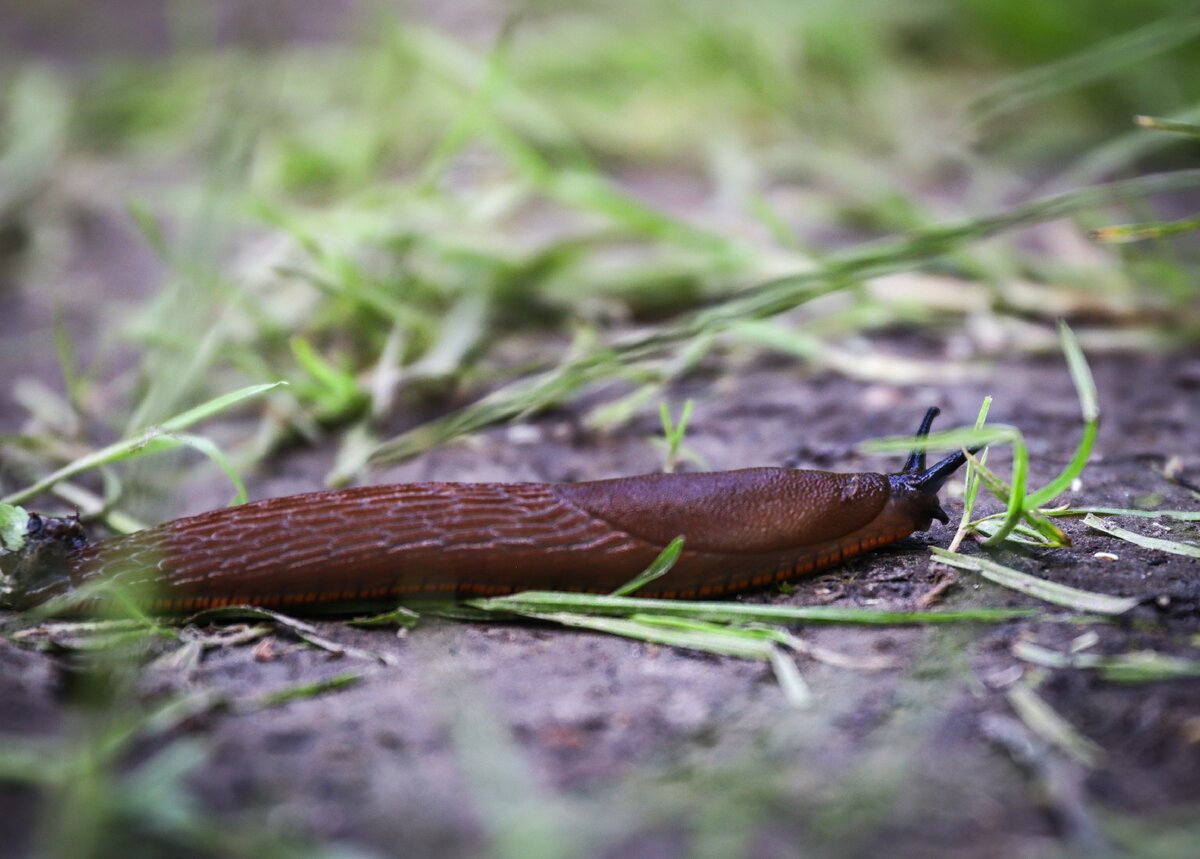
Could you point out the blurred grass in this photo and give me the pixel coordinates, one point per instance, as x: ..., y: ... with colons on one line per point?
x: 394, y: 220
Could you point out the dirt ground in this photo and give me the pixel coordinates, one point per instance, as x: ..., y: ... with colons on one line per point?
x: 634, y: 749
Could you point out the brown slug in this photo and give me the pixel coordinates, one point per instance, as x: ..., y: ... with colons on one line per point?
x: 742, y: 529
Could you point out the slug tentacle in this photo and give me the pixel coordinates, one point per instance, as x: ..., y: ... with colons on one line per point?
x: 936, y: 476
x: 915, y: 488
x: 916, y: 459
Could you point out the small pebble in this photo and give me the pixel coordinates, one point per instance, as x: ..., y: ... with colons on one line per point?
x: 881, y: 398
x: 524, y: 434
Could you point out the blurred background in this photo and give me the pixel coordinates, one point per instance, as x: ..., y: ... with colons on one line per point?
x: 393, y: 205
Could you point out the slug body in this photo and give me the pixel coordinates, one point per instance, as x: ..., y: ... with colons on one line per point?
x: 742, y: 529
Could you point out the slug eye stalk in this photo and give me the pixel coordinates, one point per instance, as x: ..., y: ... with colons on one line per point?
x: 919, y: 484
x: 936, y: 476
x: 916, y: 459
x: 918, y: 477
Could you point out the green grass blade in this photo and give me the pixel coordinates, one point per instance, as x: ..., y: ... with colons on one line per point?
x: 971, y: 481
x: 1178, y: 515
x: 951, y: 439
x: 218, y: 405
x: 1044, y: 531
x: 1081, y: 373
x: 1157, y: 543
x: 1043, y: 534
x: 37, y: 128
x: 405, y: 618
x: 1089, y: 406
x: 210, y: 449
x: 1016, y: 498
x: 154, y: 440
x: 658, y: 568
x: 791, y: 682
x: 1100, y: 61
x: 1158, y: 123
x: 1046, y: 722
x: 1085, y: 389
x: 1127, y: 233
x: 33, y: 762
x: 723, y: 643
x: 1051, y: 592
x: 1147, y: 666
x: 673, y: 433
x: 303, y: 691
x: 338, y: 383
x: 989, y: 525
x: 1139, y: 666
x: 732, y: 612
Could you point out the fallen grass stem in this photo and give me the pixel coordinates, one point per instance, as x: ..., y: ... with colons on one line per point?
x: 1158, y: 544
x: 1138, y: 666
x: 1179, y: 515
x: 1048, y: 724
x: 303, y: 691
x: 733, y: 612
x: 1051, y: 592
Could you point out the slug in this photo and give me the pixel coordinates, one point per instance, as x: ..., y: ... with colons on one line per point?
x: 742, y: 530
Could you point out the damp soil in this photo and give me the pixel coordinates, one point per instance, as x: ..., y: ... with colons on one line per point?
x: 631, y: 747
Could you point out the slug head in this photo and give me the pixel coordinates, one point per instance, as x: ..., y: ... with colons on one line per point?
x: 915, y: 488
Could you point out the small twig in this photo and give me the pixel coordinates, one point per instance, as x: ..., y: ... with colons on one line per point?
x: 947, y: 580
